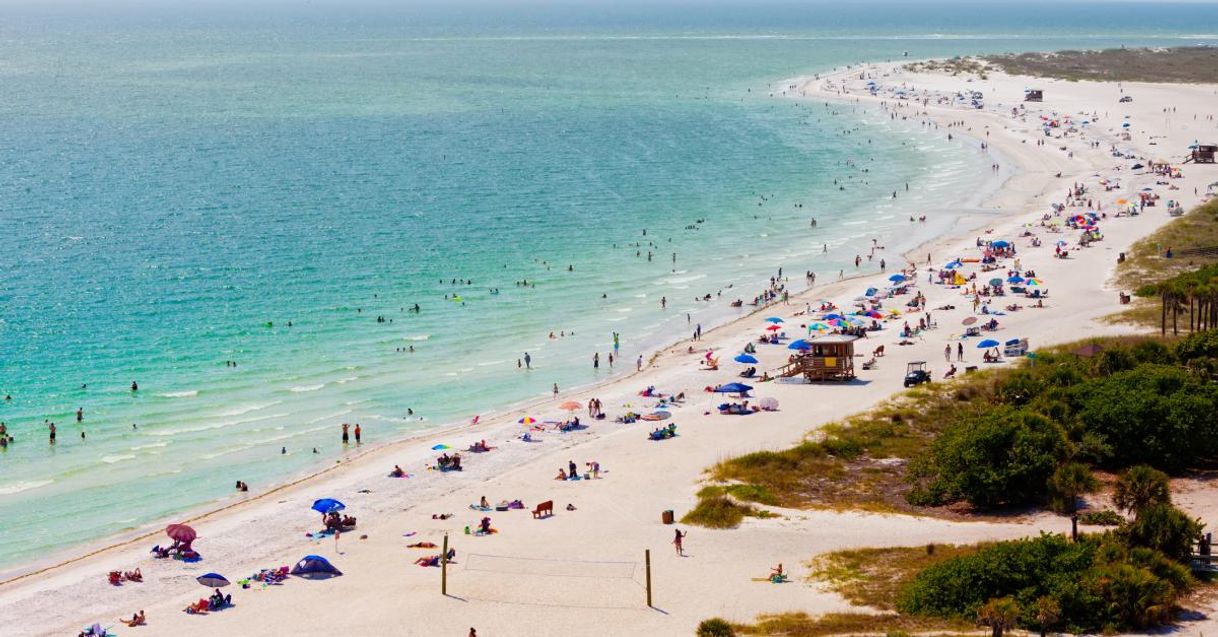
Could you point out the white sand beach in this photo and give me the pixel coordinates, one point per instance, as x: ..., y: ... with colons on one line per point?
x: 581, y: 571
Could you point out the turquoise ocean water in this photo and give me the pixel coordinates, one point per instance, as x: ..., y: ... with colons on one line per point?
x: 177, y: 184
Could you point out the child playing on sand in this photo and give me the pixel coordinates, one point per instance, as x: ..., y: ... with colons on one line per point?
x: 677, y: 542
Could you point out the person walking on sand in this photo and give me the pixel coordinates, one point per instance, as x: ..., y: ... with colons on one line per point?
x: 345, y: 437
x: 947, y: 353
x: 677, y: 542
x: 959, y: 351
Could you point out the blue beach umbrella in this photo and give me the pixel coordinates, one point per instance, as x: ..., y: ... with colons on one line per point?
x: 830, y: 317
x: 897, y: 278
x: 1000, y: 244
x: 328, y: 505
x: 800, y: 344
x: 774, y: 319
x: 733, y: 388
x: 989, y: 342
x: 1015, y: 279
x: 747, y: 359
x: 213, y: 580
x: 952, y: 265
x: 315, y: 567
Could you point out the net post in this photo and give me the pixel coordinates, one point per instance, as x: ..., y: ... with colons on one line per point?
x: 647, y: 564
x: 444, y: 567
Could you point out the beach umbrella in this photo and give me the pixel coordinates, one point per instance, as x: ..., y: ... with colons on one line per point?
x: 328, y: 505
x: 1137, y: 166
x: 996, y: 281
x: 1013, y: 341
x: 818, y: 327
x: 747, y: 359
x: 800, y: 344
x: 969, y: 320
x: 774, y: 328
x: 660, y: 414
x: 897, y: 278
x: 315, y: 567
x: 774, y: 319
x: 440, y: 447
x: 830, y: 317
x: 952, y: 265
x: 1033, y: 281
x: 1001, y: 244
x: 989, y: 342
x: 733, y: 388
x: 1063, y: 242
x: 212, y: 580
x: 181, y: 533
x: 570, y: 405
x: 527, y: 420
x: 1015, y: 279
x: 873, y: 314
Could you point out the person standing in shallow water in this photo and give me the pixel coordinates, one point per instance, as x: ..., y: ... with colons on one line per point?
x: 345, y: 438
x: 357, y: 432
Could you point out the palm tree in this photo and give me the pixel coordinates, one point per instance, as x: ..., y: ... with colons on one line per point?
x: 1068, y: 483
x: 1048, y: 612
x: 1141, y: 487
x: 999, y: 614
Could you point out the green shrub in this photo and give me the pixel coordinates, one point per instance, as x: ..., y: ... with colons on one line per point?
x: 1107, y: 517
x: 1003, y: 456
x: 1166, y: 529
x: 717, y: 512
x: 1157, y: 415
x: 1094, y: 584
x: 715, y: 627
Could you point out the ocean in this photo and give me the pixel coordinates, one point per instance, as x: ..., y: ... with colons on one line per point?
x: 277, y: 186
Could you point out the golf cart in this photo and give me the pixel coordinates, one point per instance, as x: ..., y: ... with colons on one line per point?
x: 916, y: 373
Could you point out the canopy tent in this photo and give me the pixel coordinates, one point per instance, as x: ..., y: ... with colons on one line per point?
x: 315, y: 567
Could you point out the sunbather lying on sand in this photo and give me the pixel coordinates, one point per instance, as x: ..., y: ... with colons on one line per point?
x: 421, y: 545
x: 136, y: 620
x: 434, y: 560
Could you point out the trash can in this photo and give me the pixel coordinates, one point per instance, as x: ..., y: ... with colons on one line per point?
x: 666, y: 517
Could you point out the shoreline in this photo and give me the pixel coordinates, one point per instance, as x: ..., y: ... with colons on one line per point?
x: 670, y: 368
x: 439, y: 430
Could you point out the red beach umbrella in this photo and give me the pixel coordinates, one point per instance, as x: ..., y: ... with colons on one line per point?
x: 181, y: 533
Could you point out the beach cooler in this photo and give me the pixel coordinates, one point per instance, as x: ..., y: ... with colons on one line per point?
x: 666, y: 517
